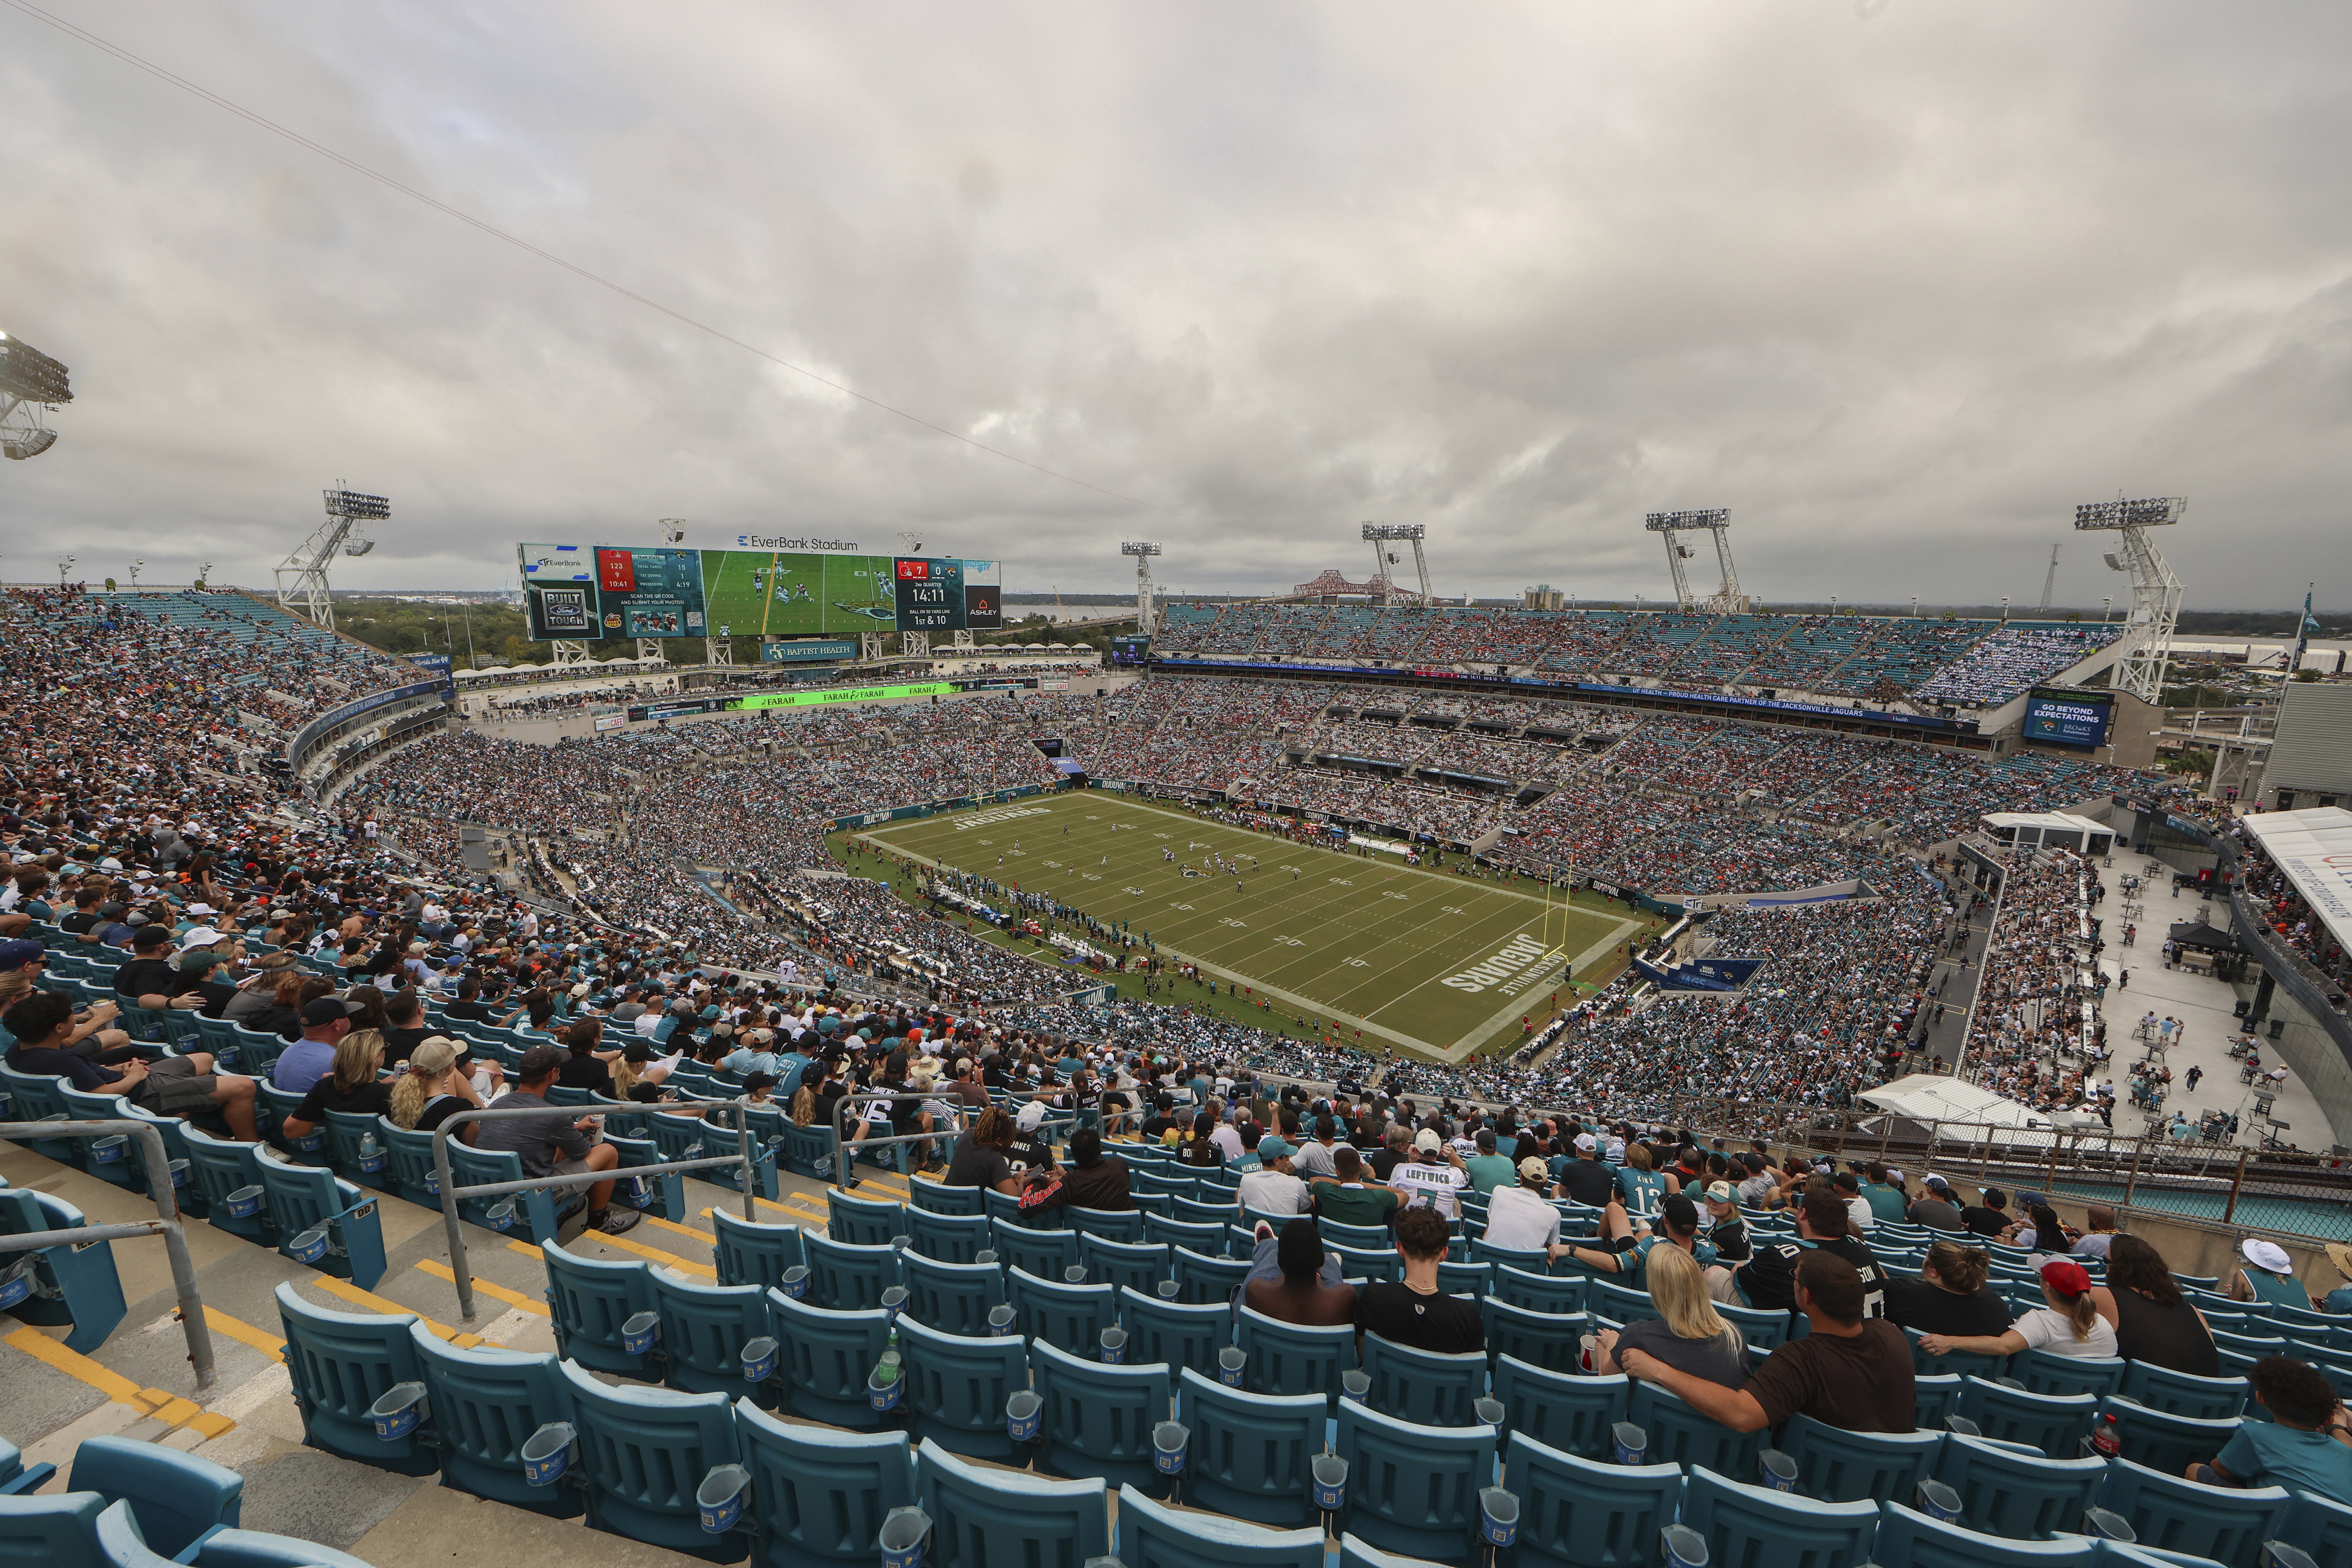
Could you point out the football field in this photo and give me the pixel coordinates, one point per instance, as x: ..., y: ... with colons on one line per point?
x: 1429, y: 961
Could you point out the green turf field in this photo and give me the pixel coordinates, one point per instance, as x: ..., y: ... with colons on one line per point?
x: 1422, y: 959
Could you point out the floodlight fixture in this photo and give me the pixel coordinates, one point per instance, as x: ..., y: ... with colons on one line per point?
x: 65, y: 565
x: 358, y: 507
x: 2144, y: 650
x: 2155, y: 512
x: 1143, y: 549
x: 28, y: 374
x: 1673, y: 521
x: 1396, y: 531
x: 1138, y: 547
x: 302, y: 577
x: 1726, y: 599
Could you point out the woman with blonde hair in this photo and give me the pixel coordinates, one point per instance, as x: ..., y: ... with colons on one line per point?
x: 1689, y: 1334
x: 434, y: 1089
x: 350, y: 1085
x: 2069, y: 1325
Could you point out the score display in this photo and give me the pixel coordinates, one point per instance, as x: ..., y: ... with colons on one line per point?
x: 930, y: 595
x: 2064, y: 716
x: 611, y: 591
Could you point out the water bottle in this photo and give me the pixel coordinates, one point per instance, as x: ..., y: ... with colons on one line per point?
x: 370, y: 1153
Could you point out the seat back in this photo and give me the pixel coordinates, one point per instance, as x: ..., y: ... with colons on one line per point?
x: 340, y: 1365
x: 1202, y: 1277
x: 1171, y: 1331
x: 956, y: 1386
x: 1574, y: 1415
x: 1576, y: 1510
x: 2171, y: 1393
x: 749, y: 1253
x: 1932, y: 1399
x: 76, y: 1286
x: 535, y: 1212
x: 1423, y: 1386
x: 357, y: 1150
x: 56, y: 1530
x: 1249, y: 1452
x: 1410, y: 1488
x: 1043, y: 1253
x: 409, y: 1159
x: 946, y: 1237
x: 704, y: 1331
x: 1909, y: 1537
x: 1205, y: 1238
x: 119, y: 1542
x: 1966, y: 1364
x: 1153, y: 1535
x: 2320, y: 1527
x: 485, y: 1403
x: 1539, y: 1338
x: 985, y: 1518
x: 589, y: 1299
x: 2025, y: 1497
x: 1290, y: 1358
x: 953, y: 1298
x: 2054, y: 1423
x: 828, y: 1356
x: 821, y: 1495
x: 1098, y: 1419
x: 646, y: 1451
x: 1765, y: 1331
x: 862, y: 1222
x: 219, y: 1166
x: 1112, y: 1224
x: 1531, y: 1291
x: 35, y: 1097
x: 1125, y: 1265
x: 1838, y: 1466
x: 1070, y: 1316
x: 1680, y: 1434
x: 2046, y: 1371
x: 845, y: 1277
x: 1749, y: 1526
x: 1619, y: 1303
x: 938, y: 1198
x: 2162, y: 1442
x: 175, y: 1496
x: 2168, y: 1513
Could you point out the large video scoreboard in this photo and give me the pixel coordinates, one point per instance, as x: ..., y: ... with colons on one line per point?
x: 610, y: 590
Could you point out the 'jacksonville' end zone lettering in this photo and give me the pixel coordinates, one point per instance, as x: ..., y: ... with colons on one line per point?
x: 1515, y: 955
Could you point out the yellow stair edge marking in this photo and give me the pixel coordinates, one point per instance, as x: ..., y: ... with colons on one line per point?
x: 178, y: 1412
x: 210, y: 1423
x: 796, y: 1212
x: 653, y: 1219
x: 75, y: 1364
x: 654, y: 1255
x: 155, y: 1398
x: 375, y: 1303
x: 482, y: 1287
x: 268, y: 1344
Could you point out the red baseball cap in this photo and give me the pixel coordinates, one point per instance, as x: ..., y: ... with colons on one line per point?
x: 2065, y: 1276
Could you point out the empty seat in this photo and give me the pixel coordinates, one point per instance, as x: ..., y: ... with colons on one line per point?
x: 956, y: 1386
x: 1908, y: 1537
x: 2320, y: 1527
x: 1837, y: 1466
x: 1414, y: 1488
x: 1289, y: 1358
x: 1753, y: 1527
x: 175, y: 1496
x: 1765, y: 1331
x: 985, y: 1519
x: 1122, y: 1265
x: 827, y: 1358
x: 747, y: 1252
x: 2025, y: 1497
x: 1173, y: 1333
x: 1111, y: 1225
x: 1576, y: 1512
x: 1680, y: 1434
x: 72, y: 1285
x: 2171, y: 1393
x: 1356, y: 1552
x: 17, y: 1478
x: 954, y: 1298
x: 863, y: 1222
x: 2055, y: 1424
x: 845, y: 1277
x: 537, y: 1213
x: 1070, y: 1316
x: 1548, y: 1340
x: 218, y: 1167
x: 945, y: 1237
x: 485, y: 1404
x: 1249, y: 1452
x: 820, y: 1495
x: 2169, y: 1513
x: 1422, y: 1387
x: 1538, y: 1292
x: 55, y: 1530
x: 1153, y: 1535
x: 2162, y: 1442
x: 1098, y: 1419
x: 1933, y: 1398
x: 1204, y: 1238
x: 704, y: 1328
x: 1042, y: 1253
x: 340, y: 1365
x: 940, y: 1198
x: 589, y: 1299
x: 409, y: 1159
x: 643, y: 1453
x: 304, y: 1199
x: 1570, y: 1413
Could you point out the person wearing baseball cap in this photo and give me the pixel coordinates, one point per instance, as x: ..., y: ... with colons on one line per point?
x: 1520, y: 1215
x: 1677, y: 1225
x: 1434, y: 1176
x: 21, y: 953
x: 1723, y: 1229
x: 556, y: 1144
x: 2069, y: 1325
x: 2268, y: 1276
x: 1585, y: 1180
x: 151, y: 979
x: 1272, y: 1188
x: 325, y: 1021
x: 1934, y: 1207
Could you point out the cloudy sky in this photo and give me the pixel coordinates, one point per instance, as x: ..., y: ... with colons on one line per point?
x: 1896, y: 282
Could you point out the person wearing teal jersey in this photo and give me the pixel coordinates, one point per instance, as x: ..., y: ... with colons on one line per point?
x: 1640, y: 1188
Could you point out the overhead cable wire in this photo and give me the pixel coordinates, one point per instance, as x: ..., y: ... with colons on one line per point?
x: 230, y: 105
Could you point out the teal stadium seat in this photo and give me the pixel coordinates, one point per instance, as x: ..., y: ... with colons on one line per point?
x: 2321, y: 1528
x: 589, y: 1299
x: 1576, y: 1512
x: 643, y: 1453
x: 956, y: 1386
x: 819, y: 1496
x: 2021, y: 1496
x: 1422, y: 1387
x: 954, y: 1298
x: 485, y: 1404
x: 2055, y: 1424
x: 1546, y: 1340
x: 704, y: 1328
x: 1248, y: 1453
x: 177, y: 1499
x: 1414, y: 1488
x: 1098, y: 1419
x: 2162, y: 1442
x: 1289, y: 1358
x: 1749, y: 1526
x: 1153, y: 1535
x: 2168, y: 1513
x: 1173, y: 1333
x: 1042, y: 1254
x: 827, y: 1357
x: 1562, y: 1295
x: 1571, y: 1413
x: 986, y: 1518
x: 937, y: 1198
x: 1071, y: 1316
x: 2044, y: 1372
x: 1108, y: 1224
x: 1908, y: 1537
x: 945, y: 1237
x: 747, y: 1252
x: 2171, y: 1393
x: 341, y: 1363
x: 847, y: 1278
x: 862, y: 1222
x: 1125, y: 1265
x: 1679, y: 1434
x: 75, y: 1286
x: 58, y: 1529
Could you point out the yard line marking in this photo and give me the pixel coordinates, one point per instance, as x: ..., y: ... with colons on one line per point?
x: 482, y: 1287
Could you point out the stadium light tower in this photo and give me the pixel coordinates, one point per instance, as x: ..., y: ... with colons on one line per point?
x: 1143, y: 551
x: 307, y: 592
x: 31, y: 383
x: 1727, y: 599
x: 1380, y: 533
x: 2146, y: 649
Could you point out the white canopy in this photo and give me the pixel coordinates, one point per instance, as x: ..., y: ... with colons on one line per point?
x: 2314, y: 848
x: 1926, y: 1096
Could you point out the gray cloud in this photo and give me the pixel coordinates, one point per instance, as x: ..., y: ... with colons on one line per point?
x: 1899, y: 286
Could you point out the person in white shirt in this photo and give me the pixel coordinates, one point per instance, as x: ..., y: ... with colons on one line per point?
x: 1271, y: 1188
x: 1433, y: 1178
x: 2069, y: 1326
x: 1522, y: 1216
x: 1228, y: 1140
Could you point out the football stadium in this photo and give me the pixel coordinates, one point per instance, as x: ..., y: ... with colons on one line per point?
x: 788, y: 1053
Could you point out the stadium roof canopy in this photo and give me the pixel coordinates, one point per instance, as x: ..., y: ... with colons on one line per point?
x: 2314, y: 848
x: 1925, y: 1097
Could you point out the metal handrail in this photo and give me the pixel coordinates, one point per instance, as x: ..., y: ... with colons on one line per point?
x: 166, y: 1223
x: 453, y: 1224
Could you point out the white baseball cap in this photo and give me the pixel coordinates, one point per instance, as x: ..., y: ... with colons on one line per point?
x: 1032, y: 1117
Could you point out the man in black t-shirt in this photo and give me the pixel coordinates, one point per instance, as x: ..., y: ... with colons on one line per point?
x: 1989, y: 1218
x: 1417, y: 1313
x: 1768, y: 1282
x: 1585, y: 1180
x: 405, y: 1015
x: 151, y: 979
